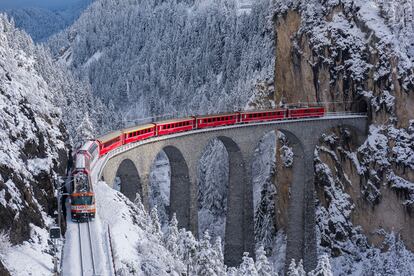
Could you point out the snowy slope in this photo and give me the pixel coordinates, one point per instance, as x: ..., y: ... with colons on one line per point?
x: 32, y: 149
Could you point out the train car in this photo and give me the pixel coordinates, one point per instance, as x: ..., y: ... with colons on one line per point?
x: 305, y: 112
x: 82, y: 197
x: 138, y: 133
x: 109, y: 142
x: 217, y: 120
x: 263, y: 115
x: 91, y: 150
x: 175, y: 126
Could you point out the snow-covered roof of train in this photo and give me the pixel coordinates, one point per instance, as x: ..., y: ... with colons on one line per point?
x: 87, y: 145
x: 80, y: 161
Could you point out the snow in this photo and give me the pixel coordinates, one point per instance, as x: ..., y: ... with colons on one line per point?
x: 136, y: 251
x: 94, y: 58
x: 32, y: 257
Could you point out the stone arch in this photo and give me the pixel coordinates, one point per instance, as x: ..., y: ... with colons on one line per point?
x: 130, y: 180
x: 180, y: 187
x: 239, y: 233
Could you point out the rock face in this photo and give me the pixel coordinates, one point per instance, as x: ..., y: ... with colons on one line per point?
x: 32, y: 143
x: 345, y: 55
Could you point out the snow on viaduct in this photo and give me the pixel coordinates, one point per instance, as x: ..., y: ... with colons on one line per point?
x: 132, y: 163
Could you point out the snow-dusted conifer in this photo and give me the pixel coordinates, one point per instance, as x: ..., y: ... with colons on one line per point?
x: 323, y: 268
x: 85, y: 131
x: 219, y: 257
x: 187, y: 247
x: 156, y: 226
x: 138, y: 203
x: 171, y: 236
x: 296, y: 270
x: 263, y: 265
x: 247, y: 267
x: 204, y: 262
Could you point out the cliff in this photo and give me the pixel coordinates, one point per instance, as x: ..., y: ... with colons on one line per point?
x: 347, y: 55
x: 32, y: 151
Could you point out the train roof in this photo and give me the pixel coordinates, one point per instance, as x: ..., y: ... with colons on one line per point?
x: 136, y: 128
x: 87, y: 145
x: 174, y: 120
x: 80, y: 161
x: 260, y: 111
x: 217, y: 115
x: 109, y: 136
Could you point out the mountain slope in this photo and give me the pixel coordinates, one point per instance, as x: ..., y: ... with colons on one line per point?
x: 41, y: 23
x: 158, y: 57
x: 32, y: 150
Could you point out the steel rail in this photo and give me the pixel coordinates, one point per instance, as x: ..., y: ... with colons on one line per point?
x: 91, y: 248
x: 80, y: 247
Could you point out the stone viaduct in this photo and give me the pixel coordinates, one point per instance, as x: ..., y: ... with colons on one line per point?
x: 132, y: 164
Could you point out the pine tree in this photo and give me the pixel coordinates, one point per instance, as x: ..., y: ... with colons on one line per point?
x: 140, y: 206
x: 187, y: 248
x: 204, y: 264
x: 262, y: 263
x: 155, y: 222
x: 85, y: 131
x: 323, y: 268
x: 171, y: 236
x: 294, y: 270
x: 218, y: 257
x: 247, y: 267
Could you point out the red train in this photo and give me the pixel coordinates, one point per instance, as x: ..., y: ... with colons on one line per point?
x: 82, y: 196
x: 138, y: 133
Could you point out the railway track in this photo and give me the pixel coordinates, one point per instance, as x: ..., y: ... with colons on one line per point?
x: 86, y: 254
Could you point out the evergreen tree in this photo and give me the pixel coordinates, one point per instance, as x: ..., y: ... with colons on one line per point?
x: 139, y: 205
x: 323, y: 268
x: 187, y: 248
x: 263, y: 265
x: 204, y: 262
x: 247, y: 267
x: 294, y: 270
x: 155, y: 222
x: 171, y: 236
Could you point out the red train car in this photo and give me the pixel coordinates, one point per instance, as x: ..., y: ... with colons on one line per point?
x: 217, y: 120
x: 261, y: 116
x: 138, y: 133
x: 110, y: 142
x: 306, y: 112
x: 174, y: 126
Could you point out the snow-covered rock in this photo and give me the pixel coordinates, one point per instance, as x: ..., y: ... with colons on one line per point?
x: 32, y: 151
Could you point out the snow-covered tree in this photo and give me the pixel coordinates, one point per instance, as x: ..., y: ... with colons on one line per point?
x: 247, y: 267
x: 296, y: 270
x: 263, y: 266
x: 187, y: 248
x: 85, y: 131
x: 205, y: 264
x: 171, y: 236
x: 323, y: 268
x: 139, y: 205
x: 155, y: 222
